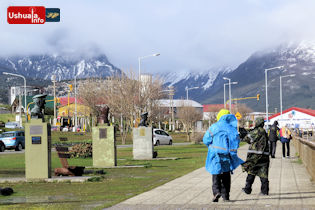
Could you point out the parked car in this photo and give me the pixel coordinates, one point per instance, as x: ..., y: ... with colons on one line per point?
x: 13, y: 125
x: 2, y: 146
x: 161, y: 137
x: 13, y: 140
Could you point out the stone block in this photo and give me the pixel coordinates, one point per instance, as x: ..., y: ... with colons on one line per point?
x: 37, y: 150
x: 104, y: 146
x: 142, y: 143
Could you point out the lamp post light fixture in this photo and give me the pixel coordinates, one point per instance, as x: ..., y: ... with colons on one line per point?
x: 53, y: 79
x: 230, y: 97
x: 290, y: 75
x: 139, y: 60
x: 232, y: 83
x: 187, y: 89
x: 18, y: 75
x: 266, y: 87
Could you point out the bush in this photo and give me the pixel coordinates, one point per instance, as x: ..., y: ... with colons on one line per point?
x: 197, y: 137
x: 82, y: 150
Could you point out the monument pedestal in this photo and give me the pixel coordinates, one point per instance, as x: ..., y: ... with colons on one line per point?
x: 104, y: 146
x: 142, y: 143
x: 37, y: 149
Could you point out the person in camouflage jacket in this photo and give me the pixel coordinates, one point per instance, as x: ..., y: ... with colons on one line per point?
x: 257, y: 162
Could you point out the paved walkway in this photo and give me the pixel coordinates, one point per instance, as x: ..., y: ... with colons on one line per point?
x: 290, y: 188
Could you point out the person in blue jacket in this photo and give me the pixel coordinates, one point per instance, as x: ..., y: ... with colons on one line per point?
x: 222, y: 140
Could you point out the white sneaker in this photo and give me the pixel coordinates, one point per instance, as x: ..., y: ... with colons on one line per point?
x: 288, y: 157
x: 283, y: 158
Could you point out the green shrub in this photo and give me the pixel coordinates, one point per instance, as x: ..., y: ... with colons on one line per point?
x: 82, y: 150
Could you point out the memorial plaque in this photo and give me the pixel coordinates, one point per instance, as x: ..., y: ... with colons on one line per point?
x: 103, y: 133
x: 142, y: 148
x: 36, y: 140
x: 36, y: 129
x: 142, y: 132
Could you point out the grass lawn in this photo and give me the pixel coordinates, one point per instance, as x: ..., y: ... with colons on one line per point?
x: 87, y: 137
x: 6, y: 117
x: 116, y: 185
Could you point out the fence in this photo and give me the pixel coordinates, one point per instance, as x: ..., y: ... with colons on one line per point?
x: 306, y: 150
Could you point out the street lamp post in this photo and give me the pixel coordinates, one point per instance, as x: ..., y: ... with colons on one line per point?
x: 139, y: 60
x: 266, y: 87
x: 232, y: 83
x: 230, y: 97
x: 291, y: 75
x: 75, y: 104
x: 54, y: 82
x: 187, y: 89
x: 18, y: 75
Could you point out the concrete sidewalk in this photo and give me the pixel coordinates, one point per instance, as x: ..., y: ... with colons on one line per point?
x: 290, y: 188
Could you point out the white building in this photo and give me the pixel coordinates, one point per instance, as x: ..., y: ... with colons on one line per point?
x: 177, y: 103
x: 15, y: 91
x: 295, y: 117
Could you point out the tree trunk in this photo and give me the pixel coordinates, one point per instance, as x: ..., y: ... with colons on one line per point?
x: 188, y: 134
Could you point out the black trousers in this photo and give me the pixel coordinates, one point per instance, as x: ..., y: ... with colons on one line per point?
x: 264, y: 184
x: 272, y: 148
x: 283, y: 148
x: 221, y: 183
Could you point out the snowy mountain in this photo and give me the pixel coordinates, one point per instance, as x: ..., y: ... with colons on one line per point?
x: 38, y: 69
x: 203, y: 80
x: 298, y: 59
x: 63, y: 66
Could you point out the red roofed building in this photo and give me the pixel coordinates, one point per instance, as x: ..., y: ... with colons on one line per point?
x: 64, y: 101
x: 210, y: 111
x: 295, y: 117
x: 214, y: 107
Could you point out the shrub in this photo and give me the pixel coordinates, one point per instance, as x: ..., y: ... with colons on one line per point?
x: 197, y: 137
x: 82, y: 150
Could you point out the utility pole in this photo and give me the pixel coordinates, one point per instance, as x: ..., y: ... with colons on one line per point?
x: 20, y: 106
x: 54, y: 82
x: 171, y: 94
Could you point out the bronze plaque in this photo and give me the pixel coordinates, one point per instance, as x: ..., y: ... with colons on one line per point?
x: 103, y: 133
x: 36, y: 129
x: 142, y: 132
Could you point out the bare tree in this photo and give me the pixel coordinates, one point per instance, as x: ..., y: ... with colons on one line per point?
x: 90, y: 92
x: 128, y: 98
x: 212, y: 113
x: 188, y: 115
x: 125, y: 96
x: 244, y: 111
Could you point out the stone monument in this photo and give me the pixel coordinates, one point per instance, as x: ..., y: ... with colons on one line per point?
x: 104, y: 142
x: 142, y: 140
x: 38, y: 142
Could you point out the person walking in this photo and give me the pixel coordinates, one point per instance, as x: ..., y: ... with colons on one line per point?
x: 273, y: 138
x: 222, y: 140
x: 285, y: 137
x: 257, y: 161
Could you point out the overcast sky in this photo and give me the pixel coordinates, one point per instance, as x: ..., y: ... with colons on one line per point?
x: 190, y: 35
